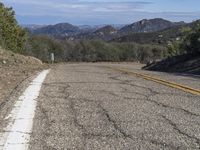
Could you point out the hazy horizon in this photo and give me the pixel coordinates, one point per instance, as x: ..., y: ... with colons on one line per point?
x: 96, y: 12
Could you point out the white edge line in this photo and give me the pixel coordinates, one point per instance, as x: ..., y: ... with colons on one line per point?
x: 17, y: 133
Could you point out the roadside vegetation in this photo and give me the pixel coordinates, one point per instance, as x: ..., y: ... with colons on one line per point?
x: 92, y: 50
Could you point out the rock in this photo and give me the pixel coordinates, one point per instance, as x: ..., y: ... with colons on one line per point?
x: 4, y: 62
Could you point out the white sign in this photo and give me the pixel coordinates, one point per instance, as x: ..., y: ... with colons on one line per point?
x: 52, y: 57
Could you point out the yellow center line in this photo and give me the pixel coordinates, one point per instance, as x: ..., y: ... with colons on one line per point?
x: 160, y: 81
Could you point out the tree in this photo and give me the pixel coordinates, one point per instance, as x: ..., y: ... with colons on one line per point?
x: 42, y: 46
x: 12, y: 36
x: 191, y: 42
x: 174, y: 48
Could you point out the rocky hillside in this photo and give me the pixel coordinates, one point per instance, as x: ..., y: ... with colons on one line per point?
x: 151, y: 25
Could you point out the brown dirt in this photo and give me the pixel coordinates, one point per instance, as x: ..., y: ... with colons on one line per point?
x: 15, y: 68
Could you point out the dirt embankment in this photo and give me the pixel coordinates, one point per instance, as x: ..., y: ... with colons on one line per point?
x: 15, y: 68
x: 188, y: 63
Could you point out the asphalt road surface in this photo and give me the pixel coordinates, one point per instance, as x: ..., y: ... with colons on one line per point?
x: 91, y: 107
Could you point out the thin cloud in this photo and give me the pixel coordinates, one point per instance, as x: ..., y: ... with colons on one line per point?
x: 47, y: 6
x: 95, y: 11
x: 80, y: 4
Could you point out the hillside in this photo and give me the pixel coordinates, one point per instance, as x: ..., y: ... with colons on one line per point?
x: 14, y: 69
x: 187, y: 63
x: 158, y: 37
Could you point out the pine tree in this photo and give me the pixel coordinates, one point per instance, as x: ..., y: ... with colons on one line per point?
x: 12, y: 36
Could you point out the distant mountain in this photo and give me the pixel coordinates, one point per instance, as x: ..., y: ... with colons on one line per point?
x: 85, y: 27
x: 62, y: 29
x: 106, y: 30
x: 106, y: 33
x: 162, y: 37
x: 99, y: 28
x: 157, y: 30
x: 32, y: 26
x: 151, y: 25
x: 158, y: 37
x: 118, y: 26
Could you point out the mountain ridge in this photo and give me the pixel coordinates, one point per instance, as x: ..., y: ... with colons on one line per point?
x: 150, y: 25
x: 57, y: 29
x: 103, y: 32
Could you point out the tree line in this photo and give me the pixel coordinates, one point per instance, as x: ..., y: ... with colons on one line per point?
x: 92, y: 50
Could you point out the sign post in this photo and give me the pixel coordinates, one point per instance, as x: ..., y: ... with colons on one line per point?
x: 52, y: 58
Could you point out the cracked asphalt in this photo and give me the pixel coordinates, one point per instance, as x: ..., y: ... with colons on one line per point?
x: 90, y: 107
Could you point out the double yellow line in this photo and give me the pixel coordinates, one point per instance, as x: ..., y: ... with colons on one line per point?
x: 160, y: 81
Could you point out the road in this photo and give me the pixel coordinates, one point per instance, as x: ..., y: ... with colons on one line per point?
x: 92, y: 107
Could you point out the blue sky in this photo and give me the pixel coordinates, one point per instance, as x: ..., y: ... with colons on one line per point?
x: 91, y: 12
